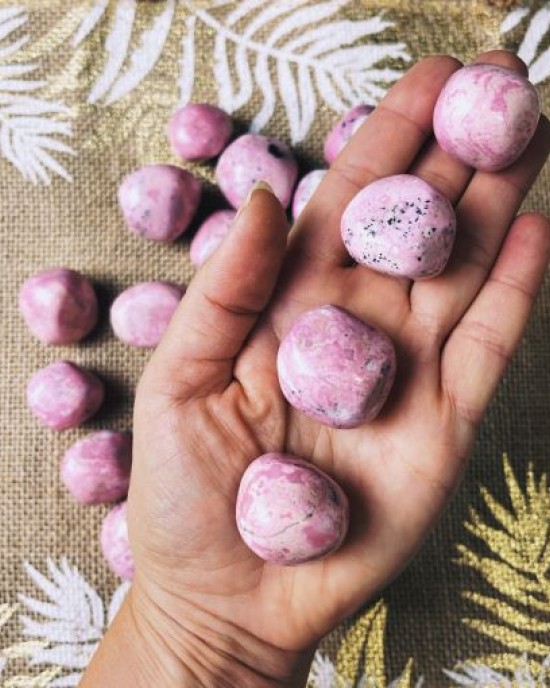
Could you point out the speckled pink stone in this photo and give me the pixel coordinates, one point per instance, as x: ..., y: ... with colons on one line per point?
x: 114, y: 543
x: 343, y: 130
x: 335, y: 368
x: 199, y: 131
x: 210, y: 235
x: 159, y: 201
x: 400, y: 226
x: 305, y: 190
x: 252, y: 158
x: 58, y: 305
x: 141, y: 314
x: 63, y: 395
x: 486, y: 115
x: 96, y: 469
x: 289, y: 511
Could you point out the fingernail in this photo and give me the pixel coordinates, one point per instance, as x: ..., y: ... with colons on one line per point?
x: 258, y: 186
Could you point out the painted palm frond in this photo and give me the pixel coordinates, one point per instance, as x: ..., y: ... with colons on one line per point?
x: 536, y: 29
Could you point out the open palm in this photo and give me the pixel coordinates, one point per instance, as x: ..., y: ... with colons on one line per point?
x: 209, y: 401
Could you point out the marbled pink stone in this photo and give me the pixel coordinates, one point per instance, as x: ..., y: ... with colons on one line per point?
x: 96, y: 469
x: 486, y: 115
x: 158, y: 201
x: 343, y: 130
x: 305, y: 190
x: 115, y: 544
x: 58, y: 305
x: 401, y: 226
x: 210, y: 235
x: 335, y: 368
x: 252, y: 158
x: 141, y: 314
x: 63, y: 395
x: 289, y: 511
x: 199, y: 131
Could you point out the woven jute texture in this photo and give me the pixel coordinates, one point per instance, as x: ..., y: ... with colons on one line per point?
x: 77, y: 224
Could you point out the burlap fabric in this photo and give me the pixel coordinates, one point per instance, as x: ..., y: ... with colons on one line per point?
x: 439, y: 612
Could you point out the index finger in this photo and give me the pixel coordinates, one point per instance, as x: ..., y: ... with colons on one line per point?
x: 386, y: 144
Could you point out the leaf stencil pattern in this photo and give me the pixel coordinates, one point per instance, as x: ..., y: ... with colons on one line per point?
x: 516, y: 565
x: 294, y: 53
x: 29, y: 126
x: 536, y: 33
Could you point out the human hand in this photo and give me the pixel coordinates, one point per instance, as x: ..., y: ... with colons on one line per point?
x: 209, y: 401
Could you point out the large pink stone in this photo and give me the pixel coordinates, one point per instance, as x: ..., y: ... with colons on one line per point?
x: 159, y: 201
x: 210, y: 235
x: 486, y: 115
x: 304, y: 191
x: 96, y: 469
x: 63, y: 395
x: 115, y: 544
x: 401, y: 226
x: 252, y: 158
x: 343, y: 130
x: 199, y: 131
x: 335, y: 368
x: 289, y: 511
x: 59, y: 305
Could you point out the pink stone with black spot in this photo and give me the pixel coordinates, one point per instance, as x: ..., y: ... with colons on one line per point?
x: 199, y: 131
x: 115, y: 544
x: 63, y: 395
x: 289, y: 511
x: 343, y: 130
x: 486, y: 115
x: 252, y: 158
x: 305, y: 190
x: 335, y: 368
x: 96, y: 469
x: 141, y: 314
x: 210, y: 235
x: 400, y: 226
x: 159, y: 201
x: 58, y: 305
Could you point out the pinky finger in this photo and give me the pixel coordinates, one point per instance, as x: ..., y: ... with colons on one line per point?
x: 480, y: 347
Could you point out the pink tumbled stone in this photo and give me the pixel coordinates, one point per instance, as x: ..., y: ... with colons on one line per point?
x: 199, y: 131
x: 305, y: 190
x: 115, y: 544
x: 289, y: 511
x: 335, y: 368
x: 58, y: 305
x: 400, y: 226
x: 141, y: 314
x: 158, y: 201
x: 96, y: 469
x: 252, y: 158
x: 63, y: 395
x: 486, y: 115
x: 343, y: 130
x: 210, y: 235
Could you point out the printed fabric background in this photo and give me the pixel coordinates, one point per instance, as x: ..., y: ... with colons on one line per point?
x: 86, y: 89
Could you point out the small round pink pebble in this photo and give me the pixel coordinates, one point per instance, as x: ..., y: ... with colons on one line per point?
x: 141, y: 314
x: 58, y: 305
x: 252, y: 158
x: 486, y: 115
x: 400, y: 226
x: 158, y: 201
x: 289, y: 511
x: 199, y: 131
x: 343, y: 130
x: 96, y: 469
x: 335, y: 368
x: 63, y: 395
x: 210, y: 235
x: 115, y: 544
x: 305, y: 190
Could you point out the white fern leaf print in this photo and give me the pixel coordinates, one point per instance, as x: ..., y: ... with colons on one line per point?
x: 535, y: 36
x: 29, y: 126
x: 187, y: 67
x: 89, y: 22
x: 482, y: 676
